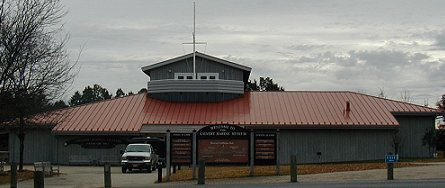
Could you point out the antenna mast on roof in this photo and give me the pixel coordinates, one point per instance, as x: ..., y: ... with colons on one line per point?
x: 194, y: 43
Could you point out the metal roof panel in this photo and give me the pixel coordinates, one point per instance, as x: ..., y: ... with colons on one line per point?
x: 281, y: 109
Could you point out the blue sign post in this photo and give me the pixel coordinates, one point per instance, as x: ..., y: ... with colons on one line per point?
x: 390, y: 158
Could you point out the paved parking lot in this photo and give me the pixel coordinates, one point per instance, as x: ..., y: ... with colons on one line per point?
x: 92, y: 177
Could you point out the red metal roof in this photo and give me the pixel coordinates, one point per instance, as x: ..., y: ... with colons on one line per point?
x: 282, y: 109
x: 120, y: 115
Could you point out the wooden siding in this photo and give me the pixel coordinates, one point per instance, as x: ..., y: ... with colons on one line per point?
x: 202, y: 66
x: 334, y: 145
x: 412, y: 129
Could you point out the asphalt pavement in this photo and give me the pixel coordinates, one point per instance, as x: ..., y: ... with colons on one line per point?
x: 92, y: 177
x: 432, y: 183
x: 431, y: 175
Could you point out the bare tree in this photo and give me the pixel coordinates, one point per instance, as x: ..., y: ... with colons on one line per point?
x: 396, y: 141
x: 441, y: 103
x: 405, y: 96
x: 426, y: 103
x: 34, y: 67
x: 430, y: 139
x: 382, y: 93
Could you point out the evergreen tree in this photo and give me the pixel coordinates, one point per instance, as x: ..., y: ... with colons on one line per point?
x: 76, y: 99
x: 143, y: 90
x: 266, y: 84
x: 120, y: 93
x: 90, y: 94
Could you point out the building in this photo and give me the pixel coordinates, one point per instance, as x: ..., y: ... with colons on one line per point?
x: 317, y: 126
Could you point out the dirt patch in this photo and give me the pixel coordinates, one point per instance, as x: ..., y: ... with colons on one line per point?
x: 5, y: 177
x: 243, y: 171
x: 21, y: 176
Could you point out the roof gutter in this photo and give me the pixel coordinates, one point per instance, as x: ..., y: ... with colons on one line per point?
x: 322, y: 127
x: 107, y: 133
x: 417, y: 113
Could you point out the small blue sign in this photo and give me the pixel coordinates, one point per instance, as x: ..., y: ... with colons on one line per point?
x: 391, y: 158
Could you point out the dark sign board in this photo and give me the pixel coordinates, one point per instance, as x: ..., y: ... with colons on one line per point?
x: 265, y: 148
x: 224, y: 151
x: 181, y: 148
x: 223, y: 144
x: 97, y: 142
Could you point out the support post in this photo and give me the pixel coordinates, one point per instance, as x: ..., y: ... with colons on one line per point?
x: 293, y: 168
x: 194, y: 155
x: 167, y: 156
x: 252, y: 154
x: 39, y: 179
x: 390, y: 171
x: 107, y: 175
x: 277, y: 168
x: 201, y: 172
x: 13, y: 175
x: 159, y: 173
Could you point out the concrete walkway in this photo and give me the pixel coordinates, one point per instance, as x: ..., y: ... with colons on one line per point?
x: 87, y: 177
x: 430, y: 171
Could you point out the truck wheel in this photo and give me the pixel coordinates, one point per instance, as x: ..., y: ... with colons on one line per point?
x: 124, y: 170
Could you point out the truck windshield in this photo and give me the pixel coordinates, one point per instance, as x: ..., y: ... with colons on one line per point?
x: 138, y: 148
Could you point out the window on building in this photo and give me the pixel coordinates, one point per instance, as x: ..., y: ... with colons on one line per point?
x: 183, y: 76
x: 208, y: 76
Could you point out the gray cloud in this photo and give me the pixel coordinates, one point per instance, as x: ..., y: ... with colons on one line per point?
x: 440, y: 40
x: 368, y: 71
x: 303, y: 45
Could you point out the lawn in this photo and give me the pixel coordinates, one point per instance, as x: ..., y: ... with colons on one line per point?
x: 243, y: 171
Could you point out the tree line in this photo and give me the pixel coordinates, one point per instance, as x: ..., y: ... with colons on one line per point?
x: 97, y: 93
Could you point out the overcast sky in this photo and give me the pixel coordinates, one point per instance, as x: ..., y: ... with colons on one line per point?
x: 354, y: 45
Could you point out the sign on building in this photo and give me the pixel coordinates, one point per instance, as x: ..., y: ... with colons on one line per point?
x: 97, y: 142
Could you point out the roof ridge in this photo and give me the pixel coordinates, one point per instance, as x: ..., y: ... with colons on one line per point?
x: 199, y: 54
x: 393, y: 100
x: 308, y: 91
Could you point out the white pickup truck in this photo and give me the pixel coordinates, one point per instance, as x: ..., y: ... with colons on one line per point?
x: 139, y: 156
